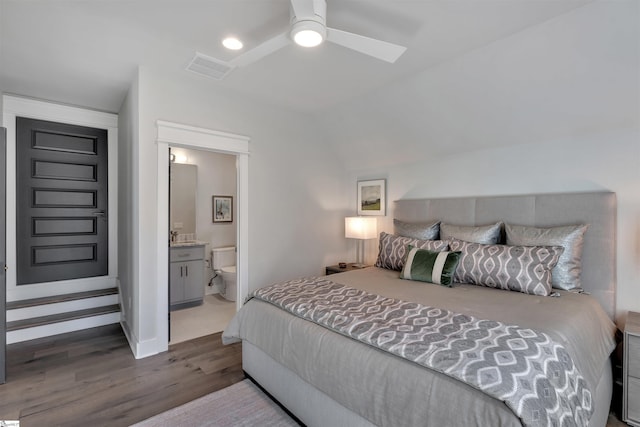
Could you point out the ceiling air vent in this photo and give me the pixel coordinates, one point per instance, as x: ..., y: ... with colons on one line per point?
x: 209, y: 67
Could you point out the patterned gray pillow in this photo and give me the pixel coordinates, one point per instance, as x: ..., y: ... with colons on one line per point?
x: 485, y: 234
x: 393, y: 249
x: 518, y: 268
x: 417, y: 230
x: 566, y: 275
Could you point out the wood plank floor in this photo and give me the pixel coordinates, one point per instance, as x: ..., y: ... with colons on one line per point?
x: 90, y: 378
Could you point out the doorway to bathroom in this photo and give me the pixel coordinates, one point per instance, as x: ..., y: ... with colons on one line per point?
x: 203, y: 241
x: 178, y: 135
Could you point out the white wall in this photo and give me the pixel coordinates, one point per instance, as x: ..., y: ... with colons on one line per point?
x: 552, y: 109
x: 127, y: 207
x: 296, y: 197
x: 572, y: 76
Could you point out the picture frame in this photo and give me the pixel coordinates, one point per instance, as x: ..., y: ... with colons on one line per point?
x: 222, y: 209
x: 372, y: 197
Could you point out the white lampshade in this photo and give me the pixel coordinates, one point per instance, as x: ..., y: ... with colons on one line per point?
x: 360, y: 227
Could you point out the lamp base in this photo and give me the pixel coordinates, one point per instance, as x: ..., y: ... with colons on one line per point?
x: 358, y: 265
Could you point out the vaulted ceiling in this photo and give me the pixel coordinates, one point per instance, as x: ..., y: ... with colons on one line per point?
x: 86, y: 52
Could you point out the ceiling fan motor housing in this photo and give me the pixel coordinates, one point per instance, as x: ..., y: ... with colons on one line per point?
x: 315, y: 22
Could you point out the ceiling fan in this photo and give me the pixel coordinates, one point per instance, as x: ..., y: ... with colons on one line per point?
x: 308, y: 28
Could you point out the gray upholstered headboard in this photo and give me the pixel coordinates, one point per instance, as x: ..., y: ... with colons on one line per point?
x: 541, y: 210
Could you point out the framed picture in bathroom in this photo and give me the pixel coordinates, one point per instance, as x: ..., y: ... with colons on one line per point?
x: 222, y: 209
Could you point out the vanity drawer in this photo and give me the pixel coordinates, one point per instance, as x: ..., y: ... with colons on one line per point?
x: 633, y: 343
x: 186, y: 253
x: 633, y: 400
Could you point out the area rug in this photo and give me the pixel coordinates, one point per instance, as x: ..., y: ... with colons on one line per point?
x: 242, y: 404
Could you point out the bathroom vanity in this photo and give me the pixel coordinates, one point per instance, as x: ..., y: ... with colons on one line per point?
x: 186, y: 275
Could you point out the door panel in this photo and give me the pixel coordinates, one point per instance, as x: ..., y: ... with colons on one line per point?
x: 62, y: 229
x: 194, y: 279
x: 64, y: 141
x: 176, y: 283
x: 62, y: 226
x: 58, y: 170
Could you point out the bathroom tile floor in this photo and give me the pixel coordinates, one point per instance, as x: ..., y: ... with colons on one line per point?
x: 212, y: 316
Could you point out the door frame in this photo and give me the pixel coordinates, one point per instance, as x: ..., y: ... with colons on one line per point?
x: 3, y: 275
x: 14, y: 106
x: 178, y: 135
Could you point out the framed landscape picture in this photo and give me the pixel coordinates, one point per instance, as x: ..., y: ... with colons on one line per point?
x: 222, y: 209
x: 371, y: 197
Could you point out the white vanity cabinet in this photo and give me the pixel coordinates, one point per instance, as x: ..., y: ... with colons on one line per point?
x: 186, y: 276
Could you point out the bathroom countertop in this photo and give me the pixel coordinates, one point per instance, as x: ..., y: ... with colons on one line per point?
x: 187, y: 244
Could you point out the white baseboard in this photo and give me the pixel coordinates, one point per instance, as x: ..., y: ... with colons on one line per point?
x: 141, y: 349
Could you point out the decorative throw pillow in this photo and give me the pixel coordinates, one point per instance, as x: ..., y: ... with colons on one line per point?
x: 518, y: 268
x: 427, y: 266
x: 393, y: 249
x: 566, y: 275
x: 485, y: 234
x: 417, y: 230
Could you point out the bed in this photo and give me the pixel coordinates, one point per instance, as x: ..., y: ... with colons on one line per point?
x: 327, y: 378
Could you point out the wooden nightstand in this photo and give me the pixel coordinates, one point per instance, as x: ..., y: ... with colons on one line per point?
x: 333, y: 269
x: 631, y: 396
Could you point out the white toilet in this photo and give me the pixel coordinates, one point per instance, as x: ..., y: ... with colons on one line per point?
x: 224, y: 264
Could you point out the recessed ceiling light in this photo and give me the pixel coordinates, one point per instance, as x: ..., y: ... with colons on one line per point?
x: 232, y: 43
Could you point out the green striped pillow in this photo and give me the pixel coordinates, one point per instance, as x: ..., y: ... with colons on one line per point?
x: 427, y: 266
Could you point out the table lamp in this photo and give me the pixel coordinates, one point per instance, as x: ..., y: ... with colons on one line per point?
x: 361, y: 228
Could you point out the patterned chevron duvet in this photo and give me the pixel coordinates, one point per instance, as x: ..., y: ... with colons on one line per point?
x: 531, y: 371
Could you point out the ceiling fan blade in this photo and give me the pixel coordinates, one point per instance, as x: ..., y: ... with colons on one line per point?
x: 382, y: 50
x: 302, y: 8
x: 262, y: 50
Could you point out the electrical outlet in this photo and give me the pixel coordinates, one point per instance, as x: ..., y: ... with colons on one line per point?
x: 178, y: 225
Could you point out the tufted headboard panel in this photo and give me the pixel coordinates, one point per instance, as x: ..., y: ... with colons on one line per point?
x: 540, y: 210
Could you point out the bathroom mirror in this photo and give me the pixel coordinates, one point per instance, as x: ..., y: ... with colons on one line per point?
x: 183, y: 186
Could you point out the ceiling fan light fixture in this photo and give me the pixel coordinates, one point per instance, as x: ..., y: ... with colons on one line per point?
x: 308, y: 33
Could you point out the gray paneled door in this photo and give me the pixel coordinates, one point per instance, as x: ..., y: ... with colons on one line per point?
x: 62, y: 227
x: 3, y: 259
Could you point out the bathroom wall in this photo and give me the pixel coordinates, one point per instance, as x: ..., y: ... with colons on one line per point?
x: 216, y: 176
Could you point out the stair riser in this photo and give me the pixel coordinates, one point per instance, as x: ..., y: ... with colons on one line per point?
x: 62, y: 307
x: 39, y: 290
x: 62, y: 327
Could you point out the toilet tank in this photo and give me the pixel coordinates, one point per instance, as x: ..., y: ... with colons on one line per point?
x: 223, y: 257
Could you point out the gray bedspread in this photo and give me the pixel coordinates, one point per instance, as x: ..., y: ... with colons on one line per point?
x: 388, y: 390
